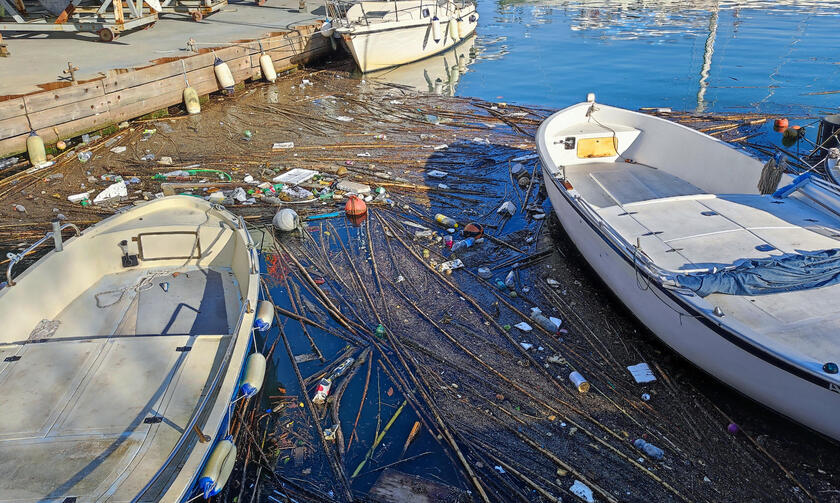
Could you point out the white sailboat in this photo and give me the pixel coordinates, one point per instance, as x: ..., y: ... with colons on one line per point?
x: 742, y: 284
x: 121, y: 353
x: 382, y: 34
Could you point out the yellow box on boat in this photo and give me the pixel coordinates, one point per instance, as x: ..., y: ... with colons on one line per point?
x: 605, y: 146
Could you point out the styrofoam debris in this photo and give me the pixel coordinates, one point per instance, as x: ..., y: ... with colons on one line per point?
x: 282, y: 145
x: 523, y: 326
x: 344, y: 118
x: 556, y: 321
x: 77, y: 198
x: 118, y: 150
x: 295, y: 176
x: 442, y: 146
x: 582, y: 491
x: 354, y: 187
x: 113, y: 191
x: 499, y: 469
x: 526, y: 345
x: 436, y: 173
x: 642, y: 373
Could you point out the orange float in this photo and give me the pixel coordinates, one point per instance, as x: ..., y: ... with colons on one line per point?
x: 355, y: 206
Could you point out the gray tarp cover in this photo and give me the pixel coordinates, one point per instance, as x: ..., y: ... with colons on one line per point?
x: 785, y: 273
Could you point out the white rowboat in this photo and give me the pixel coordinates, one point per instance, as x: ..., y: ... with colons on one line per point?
x: 120, y: 349
x: 653, y: 205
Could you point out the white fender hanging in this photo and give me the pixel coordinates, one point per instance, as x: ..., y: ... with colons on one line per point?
x: 436, y: 34
x: 252, y: 379
x: 453, y: 29
x: 265, y: 316
x: 223, y: 75
x: 267, y: 67
x: 212, y: 471
x: 191, y: 101
x: 225, y: 471
x: 462, y: 25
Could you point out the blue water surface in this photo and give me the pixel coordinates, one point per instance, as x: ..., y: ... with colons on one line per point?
x: 752, y: 56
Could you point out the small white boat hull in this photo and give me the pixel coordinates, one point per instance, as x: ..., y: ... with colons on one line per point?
x: 692, y: 335
x: 383, y: 45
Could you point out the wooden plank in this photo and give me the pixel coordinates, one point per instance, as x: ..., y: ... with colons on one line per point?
x: 136, y: 94
x: 12, y: 108
x: 52, y: 134
x: 14, y: 126
x: 116, y: 80
x: 62, y: 96
x: 69, y: 112
x: 13, y: 145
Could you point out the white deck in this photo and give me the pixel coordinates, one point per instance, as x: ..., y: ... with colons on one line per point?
x: 679, y: 227
x: 75, y: 401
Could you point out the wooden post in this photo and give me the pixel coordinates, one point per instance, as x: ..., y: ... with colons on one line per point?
x: 119, y: 18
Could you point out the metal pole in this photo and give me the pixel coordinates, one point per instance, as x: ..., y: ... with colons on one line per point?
x: 56, y: 226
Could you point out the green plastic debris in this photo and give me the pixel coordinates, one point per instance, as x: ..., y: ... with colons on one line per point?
x: 380, y: 332
x: 507, y: 328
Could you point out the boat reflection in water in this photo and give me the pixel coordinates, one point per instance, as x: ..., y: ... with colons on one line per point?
x: 438, y: 74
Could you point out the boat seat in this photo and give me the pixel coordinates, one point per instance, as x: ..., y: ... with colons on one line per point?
x: 604, y: 184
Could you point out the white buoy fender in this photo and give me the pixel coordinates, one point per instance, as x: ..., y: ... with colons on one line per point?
x: 436, y: 34
x: 453, y: 29
x: 225, y: 471
x: 267, y: 67
x: 286, y: 220
x: 213, y: 468
x: 254, y: 375
x: 191, y: 101
x: 265, y: 316
x: 327, y: 29
x: 35, y: 149
x: 223, y: 75
x: 462, y: 26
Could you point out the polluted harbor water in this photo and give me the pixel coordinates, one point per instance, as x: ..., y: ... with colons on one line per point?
x: 398, y: 366
x: 336, y: 286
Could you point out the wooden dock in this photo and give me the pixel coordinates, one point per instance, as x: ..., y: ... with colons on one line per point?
x: 65, y: 109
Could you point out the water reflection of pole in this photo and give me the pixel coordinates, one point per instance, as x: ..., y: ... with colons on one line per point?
x: 707, y: 60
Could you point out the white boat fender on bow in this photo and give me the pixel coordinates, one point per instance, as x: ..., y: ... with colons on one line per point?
x: 254, y: 375
x: 453, y: 29
x: 218, y: 468
x: 462, y: 25
x: 265, y: 316
x: 223, y: 74
x: 436, y: 34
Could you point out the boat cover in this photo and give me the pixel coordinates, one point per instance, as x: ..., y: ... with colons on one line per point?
x: 761, y: 276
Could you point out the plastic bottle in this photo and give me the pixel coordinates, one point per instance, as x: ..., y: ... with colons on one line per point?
x: 510, y: 280
x: 448, y: 241
x: 444, y: 220
x: 543, y: 321
x: 464, y: 243
x: 35, y: 149
x: 649, y: 449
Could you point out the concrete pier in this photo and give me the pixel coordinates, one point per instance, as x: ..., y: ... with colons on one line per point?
x: 144, y: 71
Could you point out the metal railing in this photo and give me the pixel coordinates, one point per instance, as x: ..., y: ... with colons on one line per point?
x: 58, y: 244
